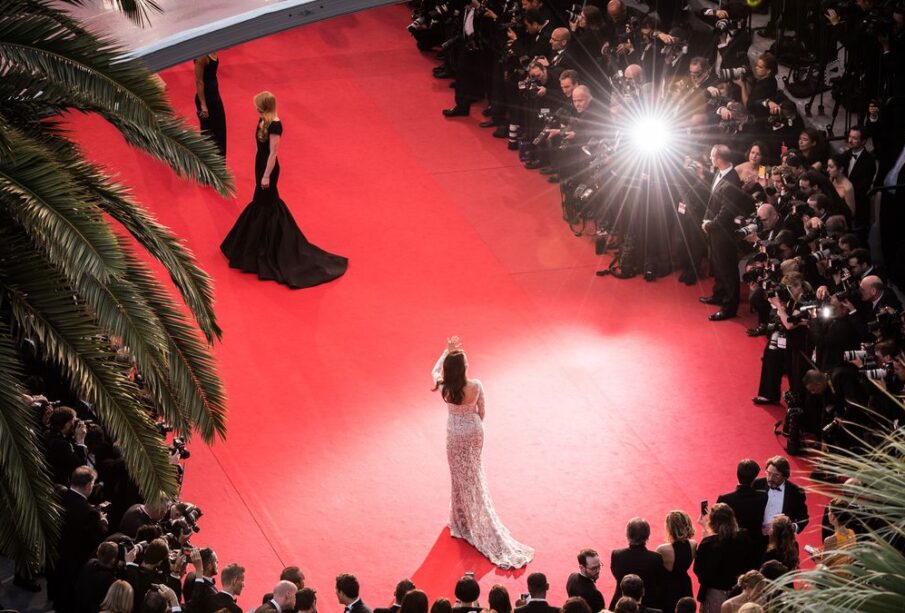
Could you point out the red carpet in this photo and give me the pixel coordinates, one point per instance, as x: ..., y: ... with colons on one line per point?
x: 606, y: 399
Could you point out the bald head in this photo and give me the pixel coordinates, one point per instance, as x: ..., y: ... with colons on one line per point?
x: 872, y: 288
x: 615, y: 9
x: 559, y: 38
x: 720, y: 156
x: 284, y: 592
x: 767, y: 215
x: 581, y: 98
x: 635, y: 73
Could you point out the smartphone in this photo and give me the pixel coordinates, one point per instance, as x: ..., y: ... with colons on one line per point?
x: 703, y: 507
x: 762, y: 172
x: 525, y: 595
x: 810, y: 549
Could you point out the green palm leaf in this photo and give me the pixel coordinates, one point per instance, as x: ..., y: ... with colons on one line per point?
x: 26, y: 492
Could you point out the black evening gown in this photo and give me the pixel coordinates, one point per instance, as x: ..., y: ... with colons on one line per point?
x: 215, y: 123
x: 677, y: 583
x: 266, y: 240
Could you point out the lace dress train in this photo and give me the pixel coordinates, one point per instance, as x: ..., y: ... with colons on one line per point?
x: 472, y: 516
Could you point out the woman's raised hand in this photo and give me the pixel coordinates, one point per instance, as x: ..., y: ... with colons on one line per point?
x: 453, y: 344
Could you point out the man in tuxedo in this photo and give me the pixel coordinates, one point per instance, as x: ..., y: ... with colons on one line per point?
x: 139, y: 515
x: 347, y: 590
x: 142, y: 576
x: 861, y: 168
x: 199, y: 586
x: 637, y: 559
x: 96, y: 577
x: 83, y: 529
x: 582, y: 583
x: 783, y: 496
x: 65, y: 444
x: 537, y: 596
x: 560, y: 52
x: 632, y: 586
x: 283, y: 599
x: 748, y: 503
x: 876, y: 296
x: 233, y: 580
x: 727, y: 201
x: 402, y: 588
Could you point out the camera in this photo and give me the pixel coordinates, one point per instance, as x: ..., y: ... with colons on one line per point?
x: 791, y: 423
x: 190, y: 513
x: 748, y: 226
x: 177, y: 448
x: 429, y: 18
x: 877, y: 374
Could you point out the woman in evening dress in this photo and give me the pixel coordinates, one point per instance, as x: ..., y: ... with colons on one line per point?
x: 208, y: 104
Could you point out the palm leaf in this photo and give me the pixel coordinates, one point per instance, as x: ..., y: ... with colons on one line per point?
x: 139, y: 11
x: 26, y: 492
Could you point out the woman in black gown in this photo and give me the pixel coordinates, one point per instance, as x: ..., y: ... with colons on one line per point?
x: 677, y: 555
x: 208, y: 103
x: 265, y: 239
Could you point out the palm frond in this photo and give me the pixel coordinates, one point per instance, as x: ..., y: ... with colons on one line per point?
x: 139, y: 11
x: 44, y: 308
x: 192, y: 369
x: 36, y: 193
x: 186, y: 151
x: 26, y: 492
x: 50, y: 52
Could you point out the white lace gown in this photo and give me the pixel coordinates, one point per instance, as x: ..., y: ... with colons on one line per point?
x: 471, y: 514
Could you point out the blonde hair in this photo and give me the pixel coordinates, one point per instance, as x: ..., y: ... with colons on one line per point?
x: 266, y: 103
x: 679, y: 526
x: 119, y: 598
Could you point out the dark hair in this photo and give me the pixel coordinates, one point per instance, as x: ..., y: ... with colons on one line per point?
x: 157, y: 552
x: 747, y: 471
x: 773, y: 570
x: 575, y: 604
x: 861, y: 254
x: 453, y: 378
x: 851, y: 240
x: 632, y: 586
x: 686, y: 604
x: 593, y: 17
x: 533, y: 16
x: 570, y: 73
x: 415, y: 601
x: 348, y: 585
x: 207, y: 556
x: 154, y: 602
x: 537, y: 583
x: 402, y: 588
x: 441, y: 605
x: 584, y: 554
x: 304, y: 598
x: 626, y: 605
x: 760, y: 145
x: 292, y: 574
x: 783, y: 543
x: 839, y: 162
x: 61, y: 416
x: 82, y: 476
x: 781, y: 464
x: 148, y: 533
x: 498, y: 599
x: 772, y: 65
x: 722, y: 521
x: 179, y: 527
x: 637, y: 531
x: 467, y: 589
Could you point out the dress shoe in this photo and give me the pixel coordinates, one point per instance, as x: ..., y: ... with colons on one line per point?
x: 487, y: 124
x: 452, y: 85
x: 456, y: 111
x: 548, y: 170
x: 709, y: 300
x: 534, y: 164
x: 721, y: 316
x: 763, y: 400
x: 502, y: 132
x: 443, y: 74
x: 759, y: 330
x: 511, y: 145
x: 553, y: 179
x: 488, y: 112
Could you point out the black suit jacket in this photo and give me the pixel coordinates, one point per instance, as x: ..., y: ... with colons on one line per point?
x: 198, y: 597
x: 862, y: 174
x: 641, y: 561
x: 267, y: 607
x: 391, y: 609
x: 537, y: 606
x: 579, y: 585
x: 748, y: 505
x: 64, y: 457
x: 93, y: 583
x: 794, y: 505
x: 728, y: 201
x: 360, y: 607
x: 221, y: 600
x: 83, y: 530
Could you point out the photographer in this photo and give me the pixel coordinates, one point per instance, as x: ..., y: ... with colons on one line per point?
x: 757, y: 92
x: 788, y: 342
x: 587, y: 121
x: 473, y: 59
x: 691, y: 243
x: 840, y: 328
x: 154, y: 569
x: 64, y: 446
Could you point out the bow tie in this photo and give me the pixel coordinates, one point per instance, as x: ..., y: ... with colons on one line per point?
x: 778, y: 489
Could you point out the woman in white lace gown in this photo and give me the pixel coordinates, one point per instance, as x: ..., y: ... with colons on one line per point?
x: 471, y: 515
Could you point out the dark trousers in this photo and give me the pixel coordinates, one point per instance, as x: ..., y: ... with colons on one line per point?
x: 773, y: 367
x: 758, y: 301
x: 690, y: 244
x: 724, y: 260
x: 472, y: 75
